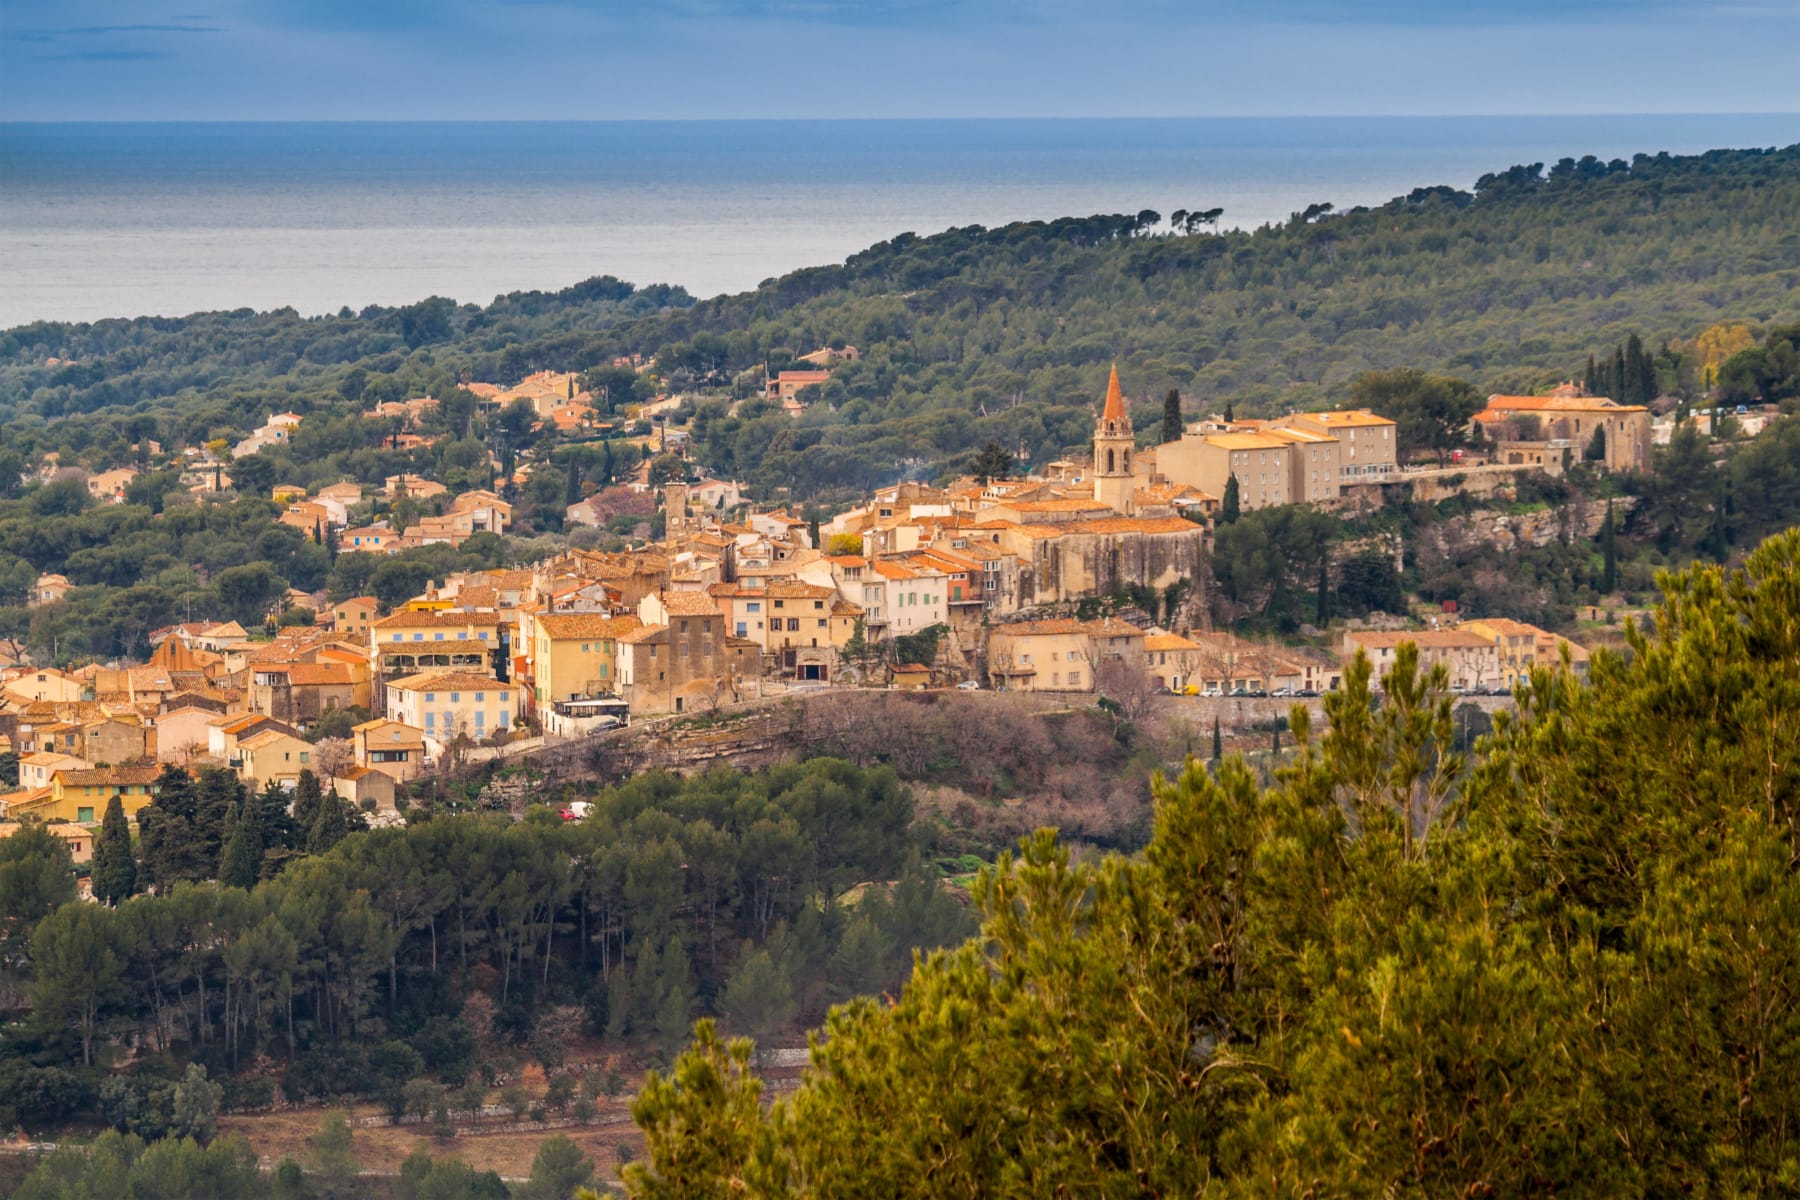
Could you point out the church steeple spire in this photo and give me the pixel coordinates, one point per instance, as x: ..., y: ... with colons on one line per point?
x: 1115, y: 398
x: 1114, y: 483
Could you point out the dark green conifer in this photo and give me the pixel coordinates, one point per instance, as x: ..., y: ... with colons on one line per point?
x: 115, y: 867
x: 1171, y: 419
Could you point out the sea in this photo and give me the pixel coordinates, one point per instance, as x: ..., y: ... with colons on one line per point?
x: 118, y: 220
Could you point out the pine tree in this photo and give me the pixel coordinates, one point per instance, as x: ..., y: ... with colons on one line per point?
x: 329, y: 826
x: 1171, y: 422
x: 115, y: 868
x: 240, y: 862
x: 1609, y: 550
x: 1228, y: 506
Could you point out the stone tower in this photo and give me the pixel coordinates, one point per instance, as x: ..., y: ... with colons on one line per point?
x: 1114, y: 484
x: 675, y: 511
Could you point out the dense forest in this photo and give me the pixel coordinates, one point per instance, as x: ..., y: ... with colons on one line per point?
x: 363, y: 962
x: 976, y: 335
x: 1561, y: 965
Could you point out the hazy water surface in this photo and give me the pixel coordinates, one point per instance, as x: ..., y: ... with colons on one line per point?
x: 122, y: 220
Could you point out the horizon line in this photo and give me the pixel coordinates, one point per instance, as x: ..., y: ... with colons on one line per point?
x: 730, y: 120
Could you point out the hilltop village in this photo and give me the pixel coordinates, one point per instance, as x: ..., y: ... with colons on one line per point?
x: 1077, y: 579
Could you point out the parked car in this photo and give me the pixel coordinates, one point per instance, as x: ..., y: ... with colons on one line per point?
x: 1282, y: 691
x: 969, y: 685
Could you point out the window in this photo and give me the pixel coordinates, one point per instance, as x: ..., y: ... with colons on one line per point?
x: 462, y: 635
x: 754, y: 606
x: 1074, y: 678
x: 305, y: 756
x: 418, y: 637
x: 818, y: 604
x: 585, y: 647
x: 437, y: 637
x: 821, y: 622
x: 431, y: 697
x: 483, y: 635
x: 456, y: 697
x: 396, y: 637
x: 793, y: 624
x: 481, y: 697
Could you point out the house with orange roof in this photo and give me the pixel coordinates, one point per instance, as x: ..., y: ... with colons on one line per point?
x: 405, y: 642
x: 271, y: 755
x: 786, y: 387
x: 394, y: 748
x: 415, y: 487
x: 1061, y: 655
x: 80, y: 795
x: 354, y: 616
x: 452, y: 704
x: 1562, y: 428
x: 1521, y: 647
x: 181, y: 733
x: 1367, y: 442
x: 371, y: 539
x: 108, y: 487
x: 49, y: 588
x: 224, y: 735
x: 574, y: 656
x: 1472, y: 659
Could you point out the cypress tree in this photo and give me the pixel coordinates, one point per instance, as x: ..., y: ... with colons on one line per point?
x: 1228, y: 506
x: 1590, y: 378
x: 306, y: 808
x: 329, y: 825
x: 1228, y: 417
x: 1171, y: 422
x: 115, y: 870
x: 273, y: 819
x: 1647, y: 372
x: 1635, y: 386
x: 1609, y: 550
x: 1322, y: 607
x: 1218, y: 742
x: 240, y: 862
x: 1615, y: 381
x: 1275, y: 742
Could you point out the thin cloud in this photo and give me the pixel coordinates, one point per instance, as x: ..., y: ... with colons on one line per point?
x: 92, y: 31
x: 105, y: 56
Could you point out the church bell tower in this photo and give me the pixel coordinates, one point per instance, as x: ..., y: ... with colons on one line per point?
x: 1114, y: 484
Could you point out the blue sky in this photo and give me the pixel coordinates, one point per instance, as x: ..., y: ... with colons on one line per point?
x: 597, y: 59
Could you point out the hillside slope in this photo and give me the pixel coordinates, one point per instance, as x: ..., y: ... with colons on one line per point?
x: 1004, y: 334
